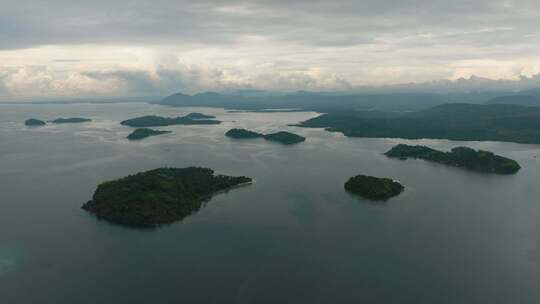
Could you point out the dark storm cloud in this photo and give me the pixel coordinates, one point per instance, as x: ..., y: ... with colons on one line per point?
x: 321, y: 23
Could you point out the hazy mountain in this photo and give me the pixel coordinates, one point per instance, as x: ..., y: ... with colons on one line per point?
x: 309, y: 101
x: 523, y: 100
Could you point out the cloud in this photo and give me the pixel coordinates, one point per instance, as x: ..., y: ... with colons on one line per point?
x: 67, y: 47
x: 319, y: 23
x: 40, y: 81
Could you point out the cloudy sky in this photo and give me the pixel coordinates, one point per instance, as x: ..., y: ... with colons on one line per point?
x: 64, y: 48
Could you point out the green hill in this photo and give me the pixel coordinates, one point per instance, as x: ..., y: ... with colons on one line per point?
x: 159, y: 196
x: 496, y: 122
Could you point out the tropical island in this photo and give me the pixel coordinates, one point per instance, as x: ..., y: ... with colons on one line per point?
x: 374, y: 188
x: 142, y: 133
x: 32, y: 122
x: 243, y: 134
x: 286, y: 138
x: 196, y: 115
x: 71, y: 120
x: 463, y: 157
x: 158, y: 196
x: 158, y: 121
x: 458, y: 121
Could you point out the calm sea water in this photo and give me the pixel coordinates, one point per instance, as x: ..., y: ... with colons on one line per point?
x: 295, y: 236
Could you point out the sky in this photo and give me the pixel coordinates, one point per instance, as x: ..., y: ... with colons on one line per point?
x: 66, y: 48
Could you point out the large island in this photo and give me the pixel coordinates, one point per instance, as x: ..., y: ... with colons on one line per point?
x: 374, y: 188
x: 286, y: 138
x: 158, y: 121
x: 459, y: 121
x: 463, y: 157
x: 159, y: 196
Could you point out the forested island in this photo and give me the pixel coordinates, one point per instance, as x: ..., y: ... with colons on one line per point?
x: 374, y: 188
x: 158, y: 121
x: 463, y: 157
x: 286, y: 138
x: 71, y: 120
x: 159, y: 196
x: 493, y: 122
x: 142, y: 133
x: 32, y: 122
x: 243, y: 134
x: 196, y: 115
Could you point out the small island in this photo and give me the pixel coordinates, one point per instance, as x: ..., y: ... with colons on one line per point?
x: 158, y: 121
x: 199, y: 116
x: 142, y: 133
x: 158, y: 196
x: 463, y: 157
x: 243, y: 134
x: 286, y: 138
x: 32, y: 122
x: 71, y: 120
x: 373, y: 188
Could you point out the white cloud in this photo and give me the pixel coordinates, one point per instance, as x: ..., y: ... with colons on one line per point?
x: 124, y: 47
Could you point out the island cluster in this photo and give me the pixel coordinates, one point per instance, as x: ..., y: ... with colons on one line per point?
x: 33, y: 122
x: 165, y: 195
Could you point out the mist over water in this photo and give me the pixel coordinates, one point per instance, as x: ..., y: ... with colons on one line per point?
x: 294, y: 236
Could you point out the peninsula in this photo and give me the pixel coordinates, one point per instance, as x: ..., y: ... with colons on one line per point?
x: 158, y: 121
x: 456, y: 121
x: 159, y: 196
x: 463, y: 157
x: 374, y: 188
x: 142, y: 133
x: 286, y: 138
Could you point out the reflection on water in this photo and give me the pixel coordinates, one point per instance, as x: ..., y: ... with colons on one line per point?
x: 8, y: 261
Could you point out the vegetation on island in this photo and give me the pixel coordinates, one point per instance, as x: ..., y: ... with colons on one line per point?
x: 142, y: 133
x: 493, y: 122
x: 158, y: 121
x: 286, y: 138
x: 71, y: 120
x: 374, y: 188
x: 196, y: 115
x: 303, y: 100
x: 463, y: 157
x: 243, y: 133
x: 159, y: 196
x: 34, y: 122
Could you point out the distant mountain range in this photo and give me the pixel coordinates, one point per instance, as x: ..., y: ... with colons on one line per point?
x: 344, y: 101
x: 322, y: 102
